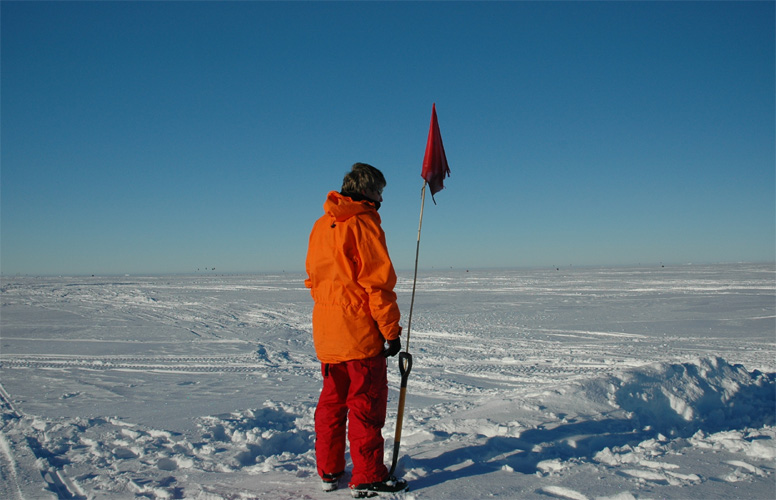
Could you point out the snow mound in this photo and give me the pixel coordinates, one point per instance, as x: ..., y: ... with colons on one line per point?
x: 276, y: 436
x: 705, y: 394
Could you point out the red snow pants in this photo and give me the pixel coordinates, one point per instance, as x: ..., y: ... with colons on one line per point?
x: 354, y: 397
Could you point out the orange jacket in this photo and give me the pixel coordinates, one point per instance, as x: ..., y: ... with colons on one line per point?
x: 351, y: 280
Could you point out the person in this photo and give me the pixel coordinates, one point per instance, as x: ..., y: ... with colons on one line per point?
x: 355, y: 328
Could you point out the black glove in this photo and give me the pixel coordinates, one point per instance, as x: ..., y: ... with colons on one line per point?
x: 394, y: 346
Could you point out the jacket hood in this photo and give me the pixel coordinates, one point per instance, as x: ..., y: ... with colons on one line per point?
x: 341, y: 207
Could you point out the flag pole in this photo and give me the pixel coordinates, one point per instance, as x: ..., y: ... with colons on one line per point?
x: 434, y: 170
x: 417, y: 253
x: 405, y: 358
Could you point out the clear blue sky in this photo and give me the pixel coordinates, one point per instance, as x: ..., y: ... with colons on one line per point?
x: 147, y: 137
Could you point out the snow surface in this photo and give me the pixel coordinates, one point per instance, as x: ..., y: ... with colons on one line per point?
x: 623, y: 384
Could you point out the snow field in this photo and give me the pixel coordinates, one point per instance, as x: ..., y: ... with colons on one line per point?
x: 602, y: 383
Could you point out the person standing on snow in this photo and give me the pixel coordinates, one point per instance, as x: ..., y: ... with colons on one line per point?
x: 351, y: 280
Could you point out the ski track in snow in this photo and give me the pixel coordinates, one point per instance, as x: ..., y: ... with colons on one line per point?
x: 609, y: 384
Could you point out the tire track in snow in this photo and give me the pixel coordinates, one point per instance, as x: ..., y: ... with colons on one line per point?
x: 7, y: 405
x: 15, y: 442
x: 185, y: 364
x: 10, y: 487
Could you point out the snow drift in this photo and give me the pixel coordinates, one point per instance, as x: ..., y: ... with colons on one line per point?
x: 706, y: 395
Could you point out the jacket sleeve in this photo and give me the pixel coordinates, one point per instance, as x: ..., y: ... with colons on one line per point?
x: 377, y: 277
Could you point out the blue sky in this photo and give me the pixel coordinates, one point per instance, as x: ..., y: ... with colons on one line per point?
x: 147, y: 137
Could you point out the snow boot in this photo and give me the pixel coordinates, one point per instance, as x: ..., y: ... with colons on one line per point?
x: 330, y: 482
x: 368, y: 490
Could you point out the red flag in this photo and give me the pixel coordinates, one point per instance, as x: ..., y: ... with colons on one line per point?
x: 435, y: 167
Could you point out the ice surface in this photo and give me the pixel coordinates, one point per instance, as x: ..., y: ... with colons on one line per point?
x: 625, y: 383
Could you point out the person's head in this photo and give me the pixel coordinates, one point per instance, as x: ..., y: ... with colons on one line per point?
x: 365, y: 180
